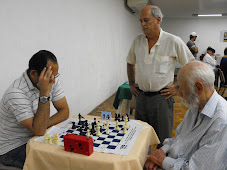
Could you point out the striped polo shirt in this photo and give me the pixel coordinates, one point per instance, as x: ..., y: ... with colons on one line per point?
x: 20, y: 102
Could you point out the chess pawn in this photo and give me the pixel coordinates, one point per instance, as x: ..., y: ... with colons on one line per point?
x: 46, y: 137
x: 98, y: 131
x: 107, y: 124
x: 117, y: 127
x: 88, y: 133
x: 49, y: 140
x: 55, y: 138
x: 90, y: 127
x: 125, y: 130
x: 104, y: 126
x: 107, y: 131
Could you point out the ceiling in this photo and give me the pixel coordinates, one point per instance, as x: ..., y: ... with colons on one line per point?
x: 186, y: 8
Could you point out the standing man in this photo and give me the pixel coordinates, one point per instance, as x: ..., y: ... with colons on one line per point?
x: 191, y: 44
x: 25, y: 107
x: 150, y: 66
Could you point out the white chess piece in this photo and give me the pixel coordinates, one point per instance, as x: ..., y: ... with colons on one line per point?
x: 104, y: 125
x: 98, y: 131
x: 88, y: 133
x: 125, y: 130
x: 126, y: 122
x: 49, y: 140
x: 117, y: 127
x: 107, y: 123
x: 46, y: 137
x: 90, y: 127
x: 107, y: 131
x: 55, y: 138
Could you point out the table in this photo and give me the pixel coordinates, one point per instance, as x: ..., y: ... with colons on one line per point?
x: 123, y: 93
x: 47, y: 157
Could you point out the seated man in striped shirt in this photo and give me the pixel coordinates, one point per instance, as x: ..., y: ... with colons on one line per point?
x: 25, y: 107
x: 200, y: 141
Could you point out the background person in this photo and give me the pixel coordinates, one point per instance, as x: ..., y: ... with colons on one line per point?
x: 191, y: 44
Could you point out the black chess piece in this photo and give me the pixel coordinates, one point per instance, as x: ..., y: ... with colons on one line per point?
x: 122, y: 118
x: 108, y: 117
x: 128, y: 117
x: 79, y: 123
x: 115, y: 117
x: 81, y: 131
x: 94, y: 121
x: 74, y: 125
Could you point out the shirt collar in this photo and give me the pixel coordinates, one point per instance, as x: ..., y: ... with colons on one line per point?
x: 29, y: 82
x: 210, y: 106
x: 160, y: 35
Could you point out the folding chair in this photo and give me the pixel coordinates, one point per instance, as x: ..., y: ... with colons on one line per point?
x: 222, y: 83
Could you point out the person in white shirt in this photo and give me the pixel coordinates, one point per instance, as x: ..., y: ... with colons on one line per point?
x: 209, y: 59
x: 25, y: 107
x: 200, y: 141
x: 151, y: 63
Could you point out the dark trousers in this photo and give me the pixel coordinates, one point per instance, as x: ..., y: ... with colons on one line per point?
x: 15, y: 157
x: 157, y: 112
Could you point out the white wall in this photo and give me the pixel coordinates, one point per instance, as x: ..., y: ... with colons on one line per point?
x: 208, y: 30
x: 90, y: 38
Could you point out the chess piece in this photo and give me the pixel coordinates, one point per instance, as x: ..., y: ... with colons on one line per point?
x: 46, y: 137
x: 107, y: 131
x: 55, y: 138
x: 107, y: 123
x: 126, y: 120
x: 74, y: 125
x: 122, y: 118
x: 90, y: 127
x: 88, y: 133
x: 94, y: 121
x: 117, y: 127
x: 98, y: 131
x: 125, y: 130
x: 79, y: 123
x: 104, y: 125
x: 49, y: 140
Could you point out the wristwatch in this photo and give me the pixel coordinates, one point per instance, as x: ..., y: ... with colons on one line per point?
x: 44, y: 99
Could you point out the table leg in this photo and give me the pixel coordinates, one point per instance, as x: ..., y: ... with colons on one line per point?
x: 127, y: 106
x: 120, y: 106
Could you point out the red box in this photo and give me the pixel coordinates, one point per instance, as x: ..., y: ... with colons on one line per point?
x: 78, y: 144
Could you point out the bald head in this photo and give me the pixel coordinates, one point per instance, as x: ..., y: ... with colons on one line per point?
x: 153, y: 11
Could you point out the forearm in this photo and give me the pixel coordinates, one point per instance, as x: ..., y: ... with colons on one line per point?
x: 131, y: 73
x: 41, y: 119
x: 60, y: 116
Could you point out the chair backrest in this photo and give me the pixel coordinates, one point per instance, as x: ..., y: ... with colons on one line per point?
x: 222, y: 77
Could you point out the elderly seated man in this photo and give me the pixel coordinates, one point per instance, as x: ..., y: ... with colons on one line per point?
x: 201, y: 138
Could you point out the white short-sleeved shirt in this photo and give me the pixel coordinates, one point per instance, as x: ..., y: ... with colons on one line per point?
x: 20, y: 102
x: 155, y: 70
x: 209, y: 60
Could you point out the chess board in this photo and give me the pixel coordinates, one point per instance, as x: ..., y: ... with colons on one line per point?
x: 115, y: 142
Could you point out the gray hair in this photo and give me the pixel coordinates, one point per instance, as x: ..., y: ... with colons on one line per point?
x: 156, y: 12
x: 200, y: 72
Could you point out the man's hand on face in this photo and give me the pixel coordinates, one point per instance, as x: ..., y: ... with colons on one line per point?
x: 46, y: 80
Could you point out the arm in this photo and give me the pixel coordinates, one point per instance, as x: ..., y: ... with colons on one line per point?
x: 39, y: 123
x: 131, y: 79
x: 211, y: 154
x: 62, y: 112
x: 195, y: 49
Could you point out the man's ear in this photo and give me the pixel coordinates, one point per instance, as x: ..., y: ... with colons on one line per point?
x: 199, y: 87
x: 158, y: 20
x: 33, y: 74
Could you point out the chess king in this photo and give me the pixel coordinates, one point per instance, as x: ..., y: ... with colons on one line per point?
x: 25, y: 107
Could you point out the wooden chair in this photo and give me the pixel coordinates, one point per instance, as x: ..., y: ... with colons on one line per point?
x: 222, y: 83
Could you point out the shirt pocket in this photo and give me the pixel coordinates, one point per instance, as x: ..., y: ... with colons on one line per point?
x: 161, y: 64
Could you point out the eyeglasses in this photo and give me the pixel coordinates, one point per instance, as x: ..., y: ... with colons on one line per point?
x: 57, y: 76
